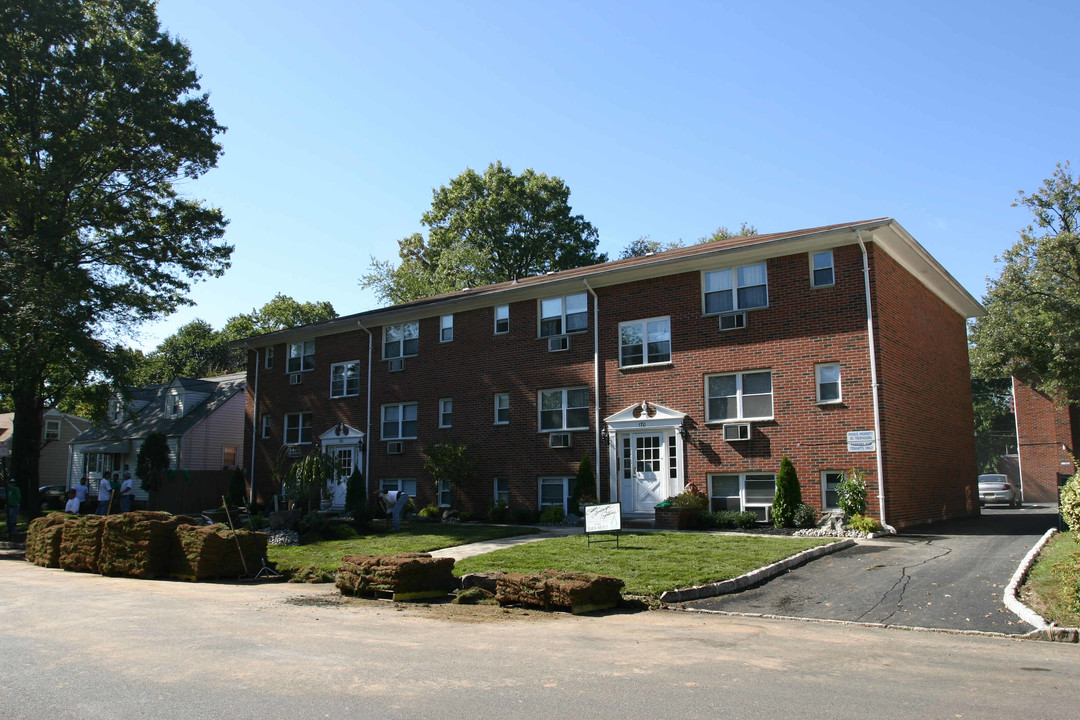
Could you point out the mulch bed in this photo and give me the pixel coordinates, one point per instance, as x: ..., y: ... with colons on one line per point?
x: 406, y: 575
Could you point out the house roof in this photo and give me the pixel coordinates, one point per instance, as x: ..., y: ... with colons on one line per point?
x: 884, y: 232
x: 151, y: 418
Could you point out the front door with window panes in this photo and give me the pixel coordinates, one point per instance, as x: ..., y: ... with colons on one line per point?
x: 343, y: 468
x: 649, y: 469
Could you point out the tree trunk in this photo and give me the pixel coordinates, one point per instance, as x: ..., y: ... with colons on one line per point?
x: 26, y: 447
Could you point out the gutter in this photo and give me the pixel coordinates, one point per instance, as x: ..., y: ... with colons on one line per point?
x: 874, y: 383
x: 254, y: 433
x: 367, y: 432
x: 596, y: 379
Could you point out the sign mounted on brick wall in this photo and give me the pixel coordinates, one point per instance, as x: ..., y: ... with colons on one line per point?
x: 860, y: 441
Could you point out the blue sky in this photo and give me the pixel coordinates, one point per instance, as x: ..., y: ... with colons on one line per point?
x: 665, y: 120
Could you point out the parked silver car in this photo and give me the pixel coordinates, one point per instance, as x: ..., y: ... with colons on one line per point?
x: 996, y: 488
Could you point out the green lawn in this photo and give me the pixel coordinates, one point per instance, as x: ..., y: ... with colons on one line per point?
x: 650, y: 562
x: 1044, y: 591
x: 414, y: 537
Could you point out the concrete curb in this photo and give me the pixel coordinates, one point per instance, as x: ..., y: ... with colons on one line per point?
x: 1043, y: 630
x: 755, y: 576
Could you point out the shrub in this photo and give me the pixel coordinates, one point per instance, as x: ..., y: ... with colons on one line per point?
x: 851, y: 493
x: 691, y: 497
x: 584, y: 486
x: 355, y: 500
x: 788, y: 495
x: 235, y: 495
x: 553, y: 514
x: 430, y: 512
x: 805, y: 516
x: 497, y: 511
x: 863, y: 523
x: 466, y: 516
x: 259, y: 522
x: 524, y: 516
x: 311, y: 537
x: 745, y: 520
x: 1070, y: 502
x: 729, y: 520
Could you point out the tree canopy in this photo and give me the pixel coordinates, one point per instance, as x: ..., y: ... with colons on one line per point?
x: 645, y: 245
x: 1032, y: 326
x: 101, y: 115
x: 484, y: 229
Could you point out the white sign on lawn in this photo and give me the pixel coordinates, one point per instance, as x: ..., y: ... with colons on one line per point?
x: 861, y: 441
x: 603, y: 518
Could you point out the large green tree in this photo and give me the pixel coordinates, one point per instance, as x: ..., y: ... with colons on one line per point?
x: 487, y: 228
x: 1032, y: 326
x: 101, y: 115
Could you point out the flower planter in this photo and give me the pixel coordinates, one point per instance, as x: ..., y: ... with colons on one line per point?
x: 677, y: 518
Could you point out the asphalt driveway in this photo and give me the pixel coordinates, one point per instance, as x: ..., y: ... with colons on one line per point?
x: 949, y: 575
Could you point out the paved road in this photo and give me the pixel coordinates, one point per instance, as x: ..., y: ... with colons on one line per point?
x: 85, y: 646
x: 950, y: 575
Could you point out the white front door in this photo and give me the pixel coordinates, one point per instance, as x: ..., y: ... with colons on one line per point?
x: 648, y: 458
x: 344, y: 461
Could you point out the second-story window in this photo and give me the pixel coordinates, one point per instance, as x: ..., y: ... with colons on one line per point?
x: 502, y: 319
x: 564, y: 409
x: 446, y: 328
x: 52, y: 429
x: 399, y: 421
x: 739, y: 396
x: 301, y: 357
x: 174, y: 407
x: 446, y: 412
x: 401, y: 340
x: 298, y: 428
x: 344, y: 379
x: 644, y: 342
x: 738, y: 288
x: 563, y: 315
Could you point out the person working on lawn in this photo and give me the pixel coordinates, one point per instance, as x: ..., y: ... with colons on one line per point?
x: 393, y: 502
x: 73, y: 503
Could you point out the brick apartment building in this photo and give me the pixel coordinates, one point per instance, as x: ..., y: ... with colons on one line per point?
x: 1045, y: 439
x: 702, y: 365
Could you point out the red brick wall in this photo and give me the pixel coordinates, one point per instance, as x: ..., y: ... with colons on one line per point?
x: 1045, y: 433
x: 926, y: 409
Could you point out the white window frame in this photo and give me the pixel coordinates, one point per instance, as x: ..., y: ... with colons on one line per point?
x: 819, y: 382
x: 839, y: 476
x: 502, y: 405
x: 645, y: 333
x: 268, y: 357
x: 743, y: 478
x: 442, y: 493
x: 406, y: 485
x: 502, y: 315
x: 266, y: 424
x: 446, y: 412
x: 294, y: 433
x: 401, y: 420
x: 174, y: 404
x: 563, y: 301
x: 740, y: 415
x: 564, y: 408
x: 52, y: 429
x: 734, y: 280
x: 446, y: 328
x: 409, y: 333
x: 831, y: 267
x: 301, y: 357
x: 344, y: 369
x: 117, y: 409
x: 503, y: 494
x: 552, y: 480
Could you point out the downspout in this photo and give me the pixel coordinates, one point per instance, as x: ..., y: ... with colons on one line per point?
x: 367, y: 432
x: 874, y: 383
x: 254, y: 433
x: 596, y: 378
x: 1016, y: 422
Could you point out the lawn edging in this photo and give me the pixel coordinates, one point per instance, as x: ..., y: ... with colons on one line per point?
x: 754, y: 576
x: 1043, y: 630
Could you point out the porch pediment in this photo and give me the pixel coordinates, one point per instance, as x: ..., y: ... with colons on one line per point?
x: 341, y: 434
x: 645, y: 414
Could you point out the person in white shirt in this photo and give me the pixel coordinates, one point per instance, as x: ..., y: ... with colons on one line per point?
x: 81, y: 490
x: 104, y: 495
x: 394, y: 503
x: 72, y: 503
x: 127, y: 492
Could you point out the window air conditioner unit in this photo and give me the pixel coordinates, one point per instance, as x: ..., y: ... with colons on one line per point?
x: 293, y: 451
x: 397, y: 364
x: 732, y: 321
x: 734, y: 432
x: 295, y: 378
x: 559, y: 440
x: 558, y: 343
x: 395, y: 448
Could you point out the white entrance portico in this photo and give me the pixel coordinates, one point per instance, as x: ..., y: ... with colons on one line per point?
x: 346, y: 445
x: 645, y: 454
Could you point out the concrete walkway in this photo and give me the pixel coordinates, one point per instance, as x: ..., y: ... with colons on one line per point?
x: 460, y: 552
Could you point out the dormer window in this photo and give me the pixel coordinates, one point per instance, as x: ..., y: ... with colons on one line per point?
x: 174, y: 406
x: 116, y: 410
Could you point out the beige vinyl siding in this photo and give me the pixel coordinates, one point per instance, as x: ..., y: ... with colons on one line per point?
x: 202, y: 445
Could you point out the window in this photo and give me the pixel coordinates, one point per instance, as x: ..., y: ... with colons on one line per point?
x: 821, y: 269
x: 228, y: 456
x: 173, y: 405
x: 344, y: 379
x: 399, y: 421
x: 502, y: 490
x: 562, y: 315
x: 268, y: 358
x: 116, y: 409
x: 405, y: 485
x: 828, y: 383
x: 744, y: 492
x: 444, y: 493
x: 298, y: 429
x: 553, y: 491
x: 446, y: 412
x: 740, y: 288
x: 301, y: 357
x: 644, y: 342
x: 502, y: 408
x: 265, y: 426
x: 401, y: 340
x: 446, y: 328
x: 829, y: 480
x: 502, y: 319
x: 738, y: 396
x: 564, y: 409
x: 52, y: 429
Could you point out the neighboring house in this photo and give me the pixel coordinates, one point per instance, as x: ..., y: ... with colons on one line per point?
x: 1046, y: 435
x: 203, y: 421
x: 57, y: 430
x: 702, y: 365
